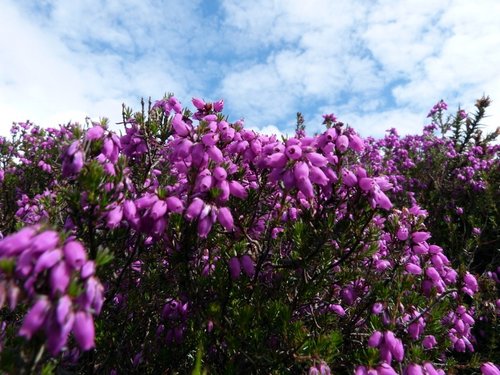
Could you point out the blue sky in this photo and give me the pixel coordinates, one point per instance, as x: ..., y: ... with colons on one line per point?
x: 375, y: 64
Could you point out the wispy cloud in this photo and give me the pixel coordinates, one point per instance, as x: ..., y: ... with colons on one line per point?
x: 375, y: 64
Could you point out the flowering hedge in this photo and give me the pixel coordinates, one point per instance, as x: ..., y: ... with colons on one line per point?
x: 189, y: 244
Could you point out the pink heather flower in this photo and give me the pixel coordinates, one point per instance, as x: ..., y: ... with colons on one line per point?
x: 337, y: 309
x: 14, y: 244
x: 489, y: 368
x: 83, y: 329
x: 47, y: 260
x: 402, y: 234
x: 219, y: 173
x: 174, y: 204
x: 317, y: 176
x: 35, y: 318
x: 342, y: 143
x: 194, y: 209
x: 218, y: 105
x: 419, y: 237
x: 59, y: 277
x: 382, y: 200
x: 180, y: 127
x: 413, y: 369
x: 210, y: 139
x: 366, y: 184
x: 94, y: 133
x: 204, y: 226
x: 305, y: 186
x: 247, y: 265
x: 225, y: 218
x: 198, y: 103
x: 386, y: 369
x: 471, y: 285
x: 356, y: 143
x: 293, y: 152
x: 47, y: 240
x: 237, y: 190
x: 432, y: 274
x: 114, y: 217
x: 429, y: 342
x: 158, y: 209
x: 234, y: 268
x: 277, y: 160
x: 88, y: 269
x: 375, y: 339
x: 377, y: 308
x: 74, y: 254
x: 413, y: 269
x: 316, y: 159
x: 349, y: 178
x: 129, y: 210
x: 430, y: 369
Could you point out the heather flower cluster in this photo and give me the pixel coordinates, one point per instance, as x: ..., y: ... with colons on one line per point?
x: 228, y: 251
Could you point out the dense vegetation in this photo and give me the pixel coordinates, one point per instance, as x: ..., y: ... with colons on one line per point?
x: 191, y: 245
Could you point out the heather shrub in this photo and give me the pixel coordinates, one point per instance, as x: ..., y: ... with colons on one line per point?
x: 189, y: 244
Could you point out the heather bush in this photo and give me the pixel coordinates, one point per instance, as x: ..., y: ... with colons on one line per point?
x: 189, y: 244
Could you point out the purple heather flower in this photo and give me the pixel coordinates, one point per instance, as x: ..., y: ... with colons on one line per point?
x: 198, y: 103
x: 219, y: 173
x: 234, y: 268
x: 489, y: 368
x: 402, y: 234
x: 35, y: 318
x: 375, y: 339
x: 316, y: 159
x: 174, y: 204
x: 247, y: 265
x: 194, y: 209
x: 429, y: 342
x: 413, y: 369
x: 47, y: 260
x: 44, y: 241
x: 59, y: 277
x: 337, y: 309
x: 386, y: 369
x: 342, y: 143
x: 114, y: 217
x: 225, y: 218
x: 180, y: 127
x: 419, y: 237
x: 74, y: 254
x: 413, y: 269
x: 158, y: 209
x: 83, y: 329
x: 94, y: 133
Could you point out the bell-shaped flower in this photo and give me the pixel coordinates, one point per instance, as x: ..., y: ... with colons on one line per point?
x: 45, y: 241
x: 48, y: 260
x: 247, y: 264
x: 237, y: 190
x: 194, y: 209
x: 174, y: 204
x: 94, y: 133
x: 83, y: 330
x: 35, y: 318
x: 15, y: 243
x: 294, y: 152
x: 349, y: 178
x: 489, y: 368
x: 114, y: 217
x: 386, y: 369
x: 74, y: 254
x: 318, y: 176
x: 342, y: 143
x: 375, y: 339
x: 413, y: 369
x: 429, y: 342
x: 219, y: 173
x: 317, y: 159
x: 225, y: 218
x: 59, y: 278
x: 180, y: 127
x: 158, y: 209
x: 419, y: 237
x: 413, y: 269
